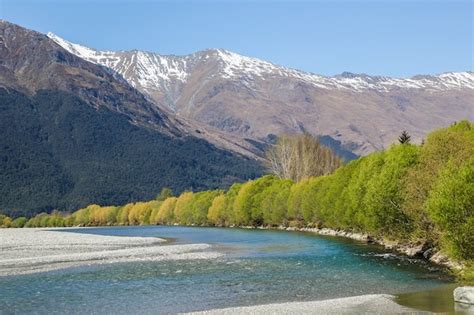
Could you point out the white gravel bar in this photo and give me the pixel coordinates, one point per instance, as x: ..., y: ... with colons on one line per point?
x: 26, y: 250
x: 363, y: 304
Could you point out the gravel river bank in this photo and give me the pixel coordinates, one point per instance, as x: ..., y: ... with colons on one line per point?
x: 27, y: 251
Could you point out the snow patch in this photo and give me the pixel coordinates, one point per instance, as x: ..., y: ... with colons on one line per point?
x: 154, y: 72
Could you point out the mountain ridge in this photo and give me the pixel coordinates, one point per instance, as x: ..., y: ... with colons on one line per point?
x: 39, y: 72
x: 452, y: 79
x: 253, y: 99
x: 73, y: 133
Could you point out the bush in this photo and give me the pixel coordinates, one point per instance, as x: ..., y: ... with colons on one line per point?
x: 5, y: 221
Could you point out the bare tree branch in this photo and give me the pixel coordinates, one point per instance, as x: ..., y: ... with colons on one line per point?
x: 301, y: 156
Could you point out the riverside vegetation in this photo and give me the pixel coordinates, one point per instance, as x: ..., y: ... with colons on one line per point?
x: 407, y: 193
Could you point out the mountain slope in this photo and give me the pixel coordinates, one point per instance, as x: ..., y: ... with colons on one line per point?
x: 73, y: 133
x: 255, y: 99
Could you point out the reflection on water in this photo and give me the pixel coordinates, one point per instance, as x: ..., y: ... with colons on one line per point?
x: 438, y: 300
x: 258, y: 267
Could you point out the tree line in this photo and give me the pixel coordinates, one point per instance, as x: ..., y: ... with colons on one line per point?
x: 407, y: 193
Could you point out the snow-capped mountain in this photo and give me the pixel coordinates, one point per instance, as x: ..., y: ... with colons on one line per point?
x: 72, y: 134
x: 148, y: 70
x: 255, y: 99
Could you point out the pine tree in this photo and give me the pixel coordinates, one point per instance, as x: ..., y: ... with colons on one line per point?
x: 404, y: 137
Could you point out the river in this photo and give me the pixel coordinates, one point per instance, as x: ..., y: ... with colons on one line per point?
x: 258, y: 267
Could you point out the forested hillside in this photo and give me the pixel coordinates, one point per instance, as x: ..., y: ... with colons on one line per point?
x: 411, y: 193
x: 58, y: 152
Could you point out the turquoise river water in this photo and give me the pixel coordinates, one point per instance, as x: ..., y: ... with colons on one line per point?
x: 258, y: 267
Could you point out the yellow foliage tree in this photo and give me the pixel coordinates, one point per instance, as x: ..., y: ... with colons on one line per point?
x: 182, y: 205
x: 136, y: 213
x: 122, y: 216
x: 216, y: 211
x: 165, y: 213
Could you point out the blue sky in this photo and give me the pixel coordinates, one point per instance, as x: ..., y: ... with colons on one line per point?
x: 397, y: 38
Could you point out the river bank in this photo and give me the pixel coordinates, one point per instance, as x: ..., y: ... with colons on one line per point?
x: 26, y: 251
x: 363, y: 304
x: 418, y: 250
x: 30, y: 250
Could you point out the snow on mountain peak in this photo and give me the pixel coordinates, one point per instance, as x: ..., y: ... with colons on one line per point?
x: 139, y: 68
x: 235, y: 64
x: 153, y: 67
x: 79, y: 50
x: 154, y: 72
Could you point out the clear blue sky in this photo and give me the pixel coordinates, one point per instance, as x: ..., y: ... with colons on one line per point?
x: 396, y: 38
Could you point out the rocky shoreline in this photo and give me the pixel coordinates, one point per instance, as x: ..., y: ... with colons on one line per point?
x: 419, y: 250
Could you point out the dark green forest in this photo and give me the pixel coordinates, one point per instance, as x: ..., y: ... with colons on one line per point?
x: 58, y: 152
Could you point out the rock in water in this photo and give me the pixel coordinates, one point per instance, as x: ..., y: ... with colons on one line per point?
x: 464, y: 295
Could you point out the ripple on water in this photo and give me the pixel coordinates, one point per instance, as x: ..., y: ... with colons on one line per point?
x: 259, y: 267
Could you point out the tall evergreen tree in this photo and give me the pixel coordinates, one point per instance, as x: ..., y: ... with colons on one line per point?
x: 404, y: 137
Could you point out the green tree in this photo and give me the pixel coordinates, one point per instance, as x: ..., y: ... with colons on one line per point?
x: 295, y: 199
x: 19, y: 222
x: 355, y: 214
x: 451, y: 206
x: 228, y: 213
x: 280, y: 201
x: 274, y: 202
x: 201, y: 203
x: 454, y: 144
x: 404, y: 137
x: 384, y: 200
x: 247, y: 203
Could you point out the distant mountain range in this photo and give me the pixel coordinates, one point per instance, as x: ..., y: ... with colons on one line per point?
x: 255, y: 100
x: 74, y: 133
x: 81, y: 126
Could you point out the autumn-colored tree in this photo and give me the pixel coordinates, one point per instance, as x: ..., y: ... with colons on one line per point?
x: 5, y: 221
x: 182, y: 211
x: 215, y: 213
x: 165, y: 214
